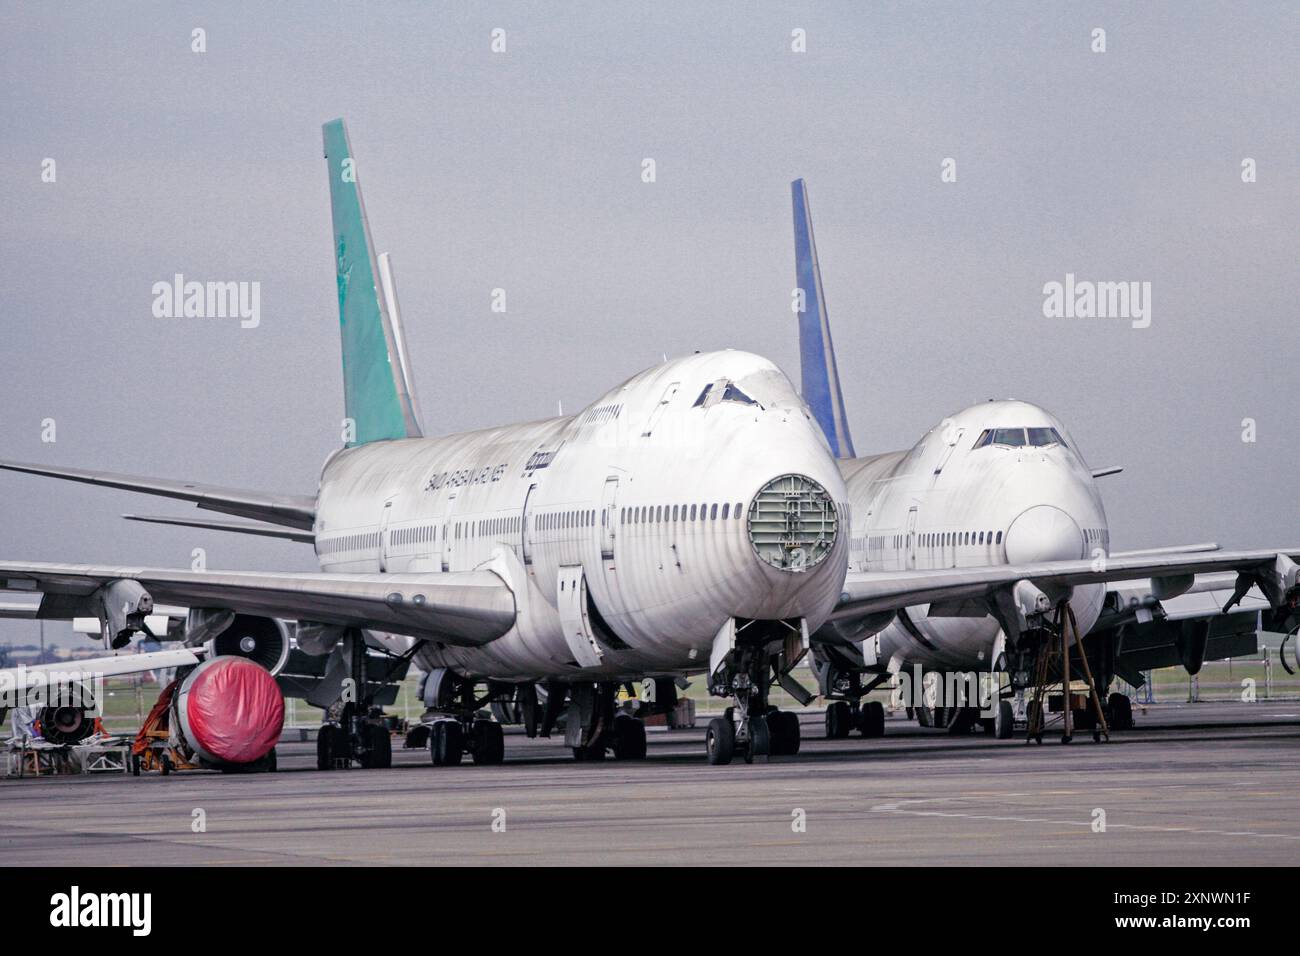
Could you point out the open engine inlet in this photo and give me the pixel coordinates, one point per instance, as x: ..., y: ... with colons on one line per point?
x: 230, y: 711
x: 262, y: 640
x: 66, y: 724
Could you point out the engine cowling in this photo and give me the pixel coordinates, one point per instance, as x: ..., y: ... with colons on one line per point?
x: 230, y: 711
x: 262, y: 640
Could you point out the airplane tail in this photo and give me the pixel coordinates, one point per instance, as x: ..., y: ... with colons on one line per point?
x: 378, y: 398
x: 820, y: 379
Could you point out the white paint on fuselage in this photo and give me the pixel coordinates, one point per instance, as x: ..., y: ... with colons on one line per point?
x: 946, y: 504
x: 644, y: 490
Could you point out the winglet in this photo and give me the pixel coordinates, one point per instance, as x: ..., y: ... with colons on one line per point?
x: 376, y: 401
x: 820, y: 379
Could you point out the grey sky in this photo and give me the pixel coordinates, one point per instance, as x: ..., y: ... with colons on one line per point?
x: 522, y: 171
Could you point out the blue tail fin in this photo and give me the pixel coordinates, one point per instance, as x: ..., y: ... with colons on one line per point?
x: 376, y: 396
x: 820, y: 378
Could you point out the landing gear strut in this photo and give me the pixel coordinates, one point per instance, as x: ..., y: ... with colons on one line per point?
x: 752, y: 728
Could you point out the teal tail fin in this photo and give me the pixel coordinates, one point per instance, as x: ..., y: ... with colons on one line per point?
x: 377, y: 396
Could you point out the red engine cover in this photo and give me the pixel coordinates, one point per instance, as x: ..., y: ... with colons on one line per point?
x: 231, y: 710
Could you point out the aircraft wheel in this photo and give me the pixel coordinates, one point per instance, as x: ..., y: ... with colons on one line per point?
x: 629, y: 738
x: 165, y: 762
x: 839, y: 720
x: 488, y: 743
x: 135, y: 765
x: 760, y: 739
x: 720, y: 741
x: 784, y: 728
x: 873, y: 719
x: 379, y: 747
x: 446, y: 743
x: 1121, y: 712
x: 1004, y: 724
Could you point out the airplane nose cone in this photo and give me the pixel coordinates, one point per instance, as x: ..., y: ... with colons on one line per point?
x: 793, y: 523
x: 1043, y: 533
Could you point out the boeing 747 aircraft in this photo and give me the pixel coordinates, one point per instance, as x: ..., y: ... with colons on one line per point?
x: 997, y: 484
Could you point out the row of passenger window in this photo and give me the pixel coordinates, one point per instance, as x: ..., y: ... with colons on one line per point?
x: 936, y: 539
x: 660, y: 514
x: 349, y: 542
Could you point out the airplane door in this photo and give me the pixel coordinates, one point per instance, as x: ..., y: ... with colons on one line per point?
x: 571, y: 592
x: 911, y: 537
x: 526, y: 529
x: 445, y: 530
x: 607, y: 518
x: 383, y: 534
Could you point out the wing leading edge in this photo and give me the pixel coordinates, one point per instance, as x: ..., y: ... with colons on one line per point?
x: 463, y: 608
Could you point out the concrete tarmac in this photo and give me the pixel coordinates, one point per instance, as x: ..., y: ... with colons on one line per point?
x: 1192, y: 785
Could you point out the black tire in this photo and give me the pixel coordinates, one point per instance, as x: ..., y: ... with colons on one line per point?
x: 720, y: 741
x: 135, y: 765
x: 629, y: 738
x: 446, y: 743
x: 488, y: 743
x: 1120, y: 711
x: 784, y: 728
x: 1085, y: 721
x: 760, y: 739
x: 839, y: 720
x: 1004, y: 725
x: 270, y: 763
x: 325, y: 747
x: 379, y: 747
x: 165, y: 762
x: 873, y: 719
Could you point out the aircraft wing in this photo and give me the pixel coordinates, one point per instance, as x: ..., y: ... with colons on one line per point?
x: 294, y: 511
x: 26, y: 678
x: 1275, y: 572
x: 464, y: 608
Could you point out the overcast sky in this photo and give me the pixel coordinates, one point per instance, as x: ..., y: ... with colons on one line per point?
x: 521, y: 170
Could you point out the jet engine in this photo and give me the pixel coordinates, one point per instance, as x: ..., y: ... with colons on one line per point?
x: 229, y: 712
x: 262, y: 640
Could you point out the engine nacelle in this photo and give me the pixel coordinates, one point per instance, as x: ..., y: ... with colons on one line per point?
x: 262, y: 640
x: 230, y: 711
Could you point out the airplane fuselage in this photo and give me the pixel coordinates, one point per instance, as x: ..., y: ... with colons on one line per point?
x: 627, y: 532
x: 1023, y: 495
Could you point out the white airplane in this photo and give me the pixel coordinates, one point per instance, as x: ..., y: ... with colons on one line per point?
x: 690, y: 521
x: 996, y: 484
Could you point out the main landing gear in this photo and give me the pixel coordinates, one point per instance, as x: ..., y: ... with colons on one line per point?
x: 594, y: 728
x: 458, y: 728
x: 360, y: 733
x: 843, y: 717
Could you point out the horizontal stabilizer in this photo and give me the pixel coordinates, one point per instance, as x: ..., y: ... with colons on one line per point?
x: 293, y: 511
x: 1108, y: 470
x: 238, y: 527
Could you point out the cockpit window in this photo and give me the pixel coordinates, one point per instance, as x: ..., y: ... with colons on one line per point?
x: 722, y: 391
x: 733, y: 394
x: 1045, y: 436
x: 1019, y: 437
